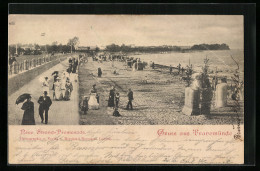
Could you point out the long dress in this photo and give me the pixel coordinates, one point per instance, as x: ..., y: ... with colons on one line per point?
x: 92, y: 103
x: 28, y: 116
x: 111, y: 99
x: 63, y: 85
x: 68, y: 91
x: 45, y: 86
x: 58, y: 93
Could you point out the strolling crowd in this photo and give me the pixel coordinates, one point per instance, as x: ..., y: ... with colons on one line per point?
x: 113, y: 100
x: 62, y: 88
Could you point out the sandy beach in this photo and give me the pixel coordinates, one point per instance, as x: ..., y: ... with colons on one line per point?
x: 158, y: 97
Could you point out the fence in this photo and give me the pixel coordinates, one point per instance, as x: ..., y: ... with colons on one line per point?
x: 18, y: 67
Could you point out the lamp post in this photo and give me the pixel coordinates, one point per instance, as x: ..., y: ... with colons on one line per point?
x: 43, y: 34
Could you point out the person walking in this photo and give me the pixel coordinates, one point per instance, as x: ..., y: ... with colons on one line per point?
x: 130, y: 99
x: 111, y: 99
x: 45, y: 103
x: 84, y: 105
x: 170, y: 69
x: 57, y: 89
x: 179, y: 69
x: 69, y: 88
x: 117, y: 99
x: 45, y: 85
x: 28, y: 116
x: 99, y: 72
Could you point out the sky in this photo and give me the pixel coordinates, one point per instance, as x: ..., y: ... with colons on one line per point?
x: 140, y: 30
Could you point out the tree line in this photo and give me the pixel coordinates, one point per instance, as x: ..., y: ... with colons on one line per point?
x: 36, y: 49
x: 125, y: 48
x: 222, y: 46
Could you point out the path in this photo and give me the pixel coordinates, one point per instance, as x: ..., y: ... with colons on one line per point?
x: 60, y: 113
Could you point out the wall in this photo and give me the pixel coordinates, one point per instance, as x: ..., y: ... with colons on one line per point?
x: 21, y: 79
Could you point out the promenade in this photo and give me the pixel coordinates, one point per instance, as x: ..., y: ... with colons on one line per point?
x: 60, y: 113
x: 158, y: 97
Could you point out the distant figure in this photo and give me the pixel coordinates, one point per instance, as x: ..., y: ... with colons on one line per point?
x: 214, y: 82
x: 116, y: 113
x: 179, y: 68
x: 111, y: 98
x: 99, y: 72
x: 117, y: 99
x: 70, y: 60
x: 84, y: 105
x: 130, y: 99
x: 45, y: 85
x: 28, y: 115
x: 221, y: 93
x: 153, y: 65
x: 11, y: 60
x: 182, y: 70
x: 74, y: 65
x: 69, y: 70
x: 45, y: 103
x: 170, y: 69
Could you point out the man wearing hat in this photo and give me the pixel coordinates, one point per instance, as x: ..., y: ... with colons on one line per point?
x: 45, y: 103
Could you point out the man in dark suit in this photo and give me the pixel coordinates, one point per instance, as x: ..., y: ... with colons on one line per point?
x: 45, y: 103
x: 130, y: 98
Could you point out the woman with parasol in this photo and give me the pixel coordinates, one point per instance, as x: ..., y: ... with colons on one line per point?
x: 28, y: 107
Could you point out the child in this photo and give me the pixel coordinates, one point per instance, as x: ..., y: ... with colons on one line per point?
x: 116, y: 113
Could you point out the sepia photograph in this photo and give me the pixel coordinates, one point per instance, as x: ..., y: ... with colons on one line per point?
x: 125, y: 69
x: 90, y: 86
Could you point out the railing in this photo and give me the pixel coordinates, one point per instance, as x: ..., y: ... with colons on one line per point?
x: 18, y: 67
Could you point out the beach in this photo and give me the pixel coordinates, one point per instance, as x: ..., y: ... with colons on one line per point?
x: 158, y: 97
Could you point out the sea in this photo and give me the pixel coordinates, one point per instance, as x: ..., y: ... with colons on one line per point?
x: 219, y: 60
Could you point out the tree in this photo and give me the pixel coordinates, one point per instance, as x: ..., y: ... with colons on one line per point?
x: 73, y: 42
x: 97, y: 49
x: 36, y: 47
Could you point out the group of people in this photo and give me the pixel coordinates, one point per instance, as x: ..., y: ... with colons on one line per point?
x: 28, y: 107
x: 113, y: 100
x: 73, y: 64
x: 62, y: 87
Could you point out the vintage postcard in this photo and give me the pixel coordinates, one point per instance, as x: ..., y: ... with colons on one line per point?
x: 125, y: 89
